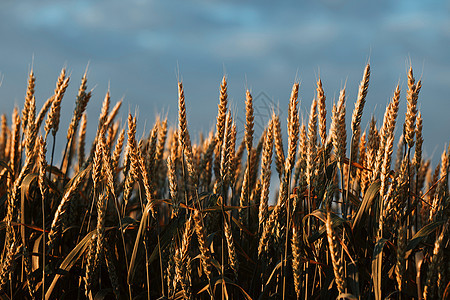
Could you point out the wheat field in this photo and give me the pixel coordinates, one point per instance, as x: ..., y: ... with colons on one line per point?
x: 165, y: 218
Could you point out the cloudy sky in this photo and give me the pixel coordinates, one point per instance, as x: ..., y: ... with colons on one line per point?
x: 138, y: 48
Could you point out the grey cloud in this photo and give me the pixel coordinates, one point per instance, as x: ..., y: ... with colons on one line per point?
x: 136, y: 46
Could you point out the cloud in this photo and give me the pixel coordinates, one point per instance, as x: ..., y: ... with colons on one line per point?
x: 136, y: 45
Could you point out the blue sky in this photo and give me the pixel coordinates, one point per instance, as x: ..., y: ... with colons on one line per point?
x: 137, y: 47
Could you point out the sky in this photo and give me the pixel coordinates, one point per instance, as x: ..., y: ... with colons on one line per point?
x: 140, y: 48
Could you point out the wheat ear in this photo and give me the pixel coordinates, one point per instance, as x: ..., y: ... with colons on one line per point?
x: 321, y: 99
x: 280, y: 158
x: 225, y: 159
x: 387, y: 129
x: 357, y: 114
x: 312, y: 143
x: 53, y: 117
x: 80, y: 106
x: 436, y: 207
x: 102, y: 204
x: 222, y: 111
x: 338, y: 132
x: 112, y: 115
x: 184, y: 135
x: 91, y: 267
x: 296, y: 260
x: 249, y: 121
x: 429, y: 289
x: 293, y: 129
x: 82, y: 140
x: 232, y: 255
x: 411, y: 108
x: 8, y: 264
x: 3, y: 136
x: 147, y: 184
x: 112, y: 271
x: 31, y: 131
x: 266, y: 174
x: 206, y: 257
x: 14, y: 152
x: 300, y: 165
x: 419, y: 141
x: 400, y: 268
x: 333, y: 245
x: 62, y: 207
x: 183, y: 260
x: 117, y: 150
x: 28, y: 98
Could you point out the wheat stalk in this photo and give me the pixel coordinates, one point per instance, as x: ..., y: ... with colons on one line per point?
x: 42, y: 165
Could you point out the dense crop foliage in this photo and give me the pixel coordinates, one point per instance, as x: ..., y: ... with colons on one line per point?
x: 163, y: 217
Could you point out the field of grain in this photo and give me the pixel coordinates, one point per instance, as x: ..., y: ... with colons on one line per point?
x: 165, y: 218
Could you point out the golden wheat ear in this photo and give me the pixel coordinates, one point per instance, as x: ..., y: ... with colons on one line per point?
x: 321, y: 103
x: 185, y: 137
x: 266, y: 172
x: 293, y: 129
x: 53, y: 118
x: 280, y: 158
x: 28, y: 98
